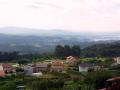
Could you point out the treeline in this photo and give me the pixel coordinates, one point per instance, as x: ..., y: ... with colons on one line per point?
x: 62, y: 51
x: 34, y: 84
x: 102, y: 50
x: 66, y: 50
x: 98, y: 50
x: 8, y: 56
x: 18, y: 57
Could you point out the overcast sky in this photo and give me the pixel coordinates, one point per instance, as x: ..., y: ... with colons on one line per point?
x: 73, y: 15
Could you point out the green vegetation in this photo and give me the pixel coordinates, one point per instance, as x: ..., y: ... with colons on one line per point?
x: 102, y: 50
x: 71, y: 79
x: 98, y: 50
x: 66, y: 50
x: 60, y: 81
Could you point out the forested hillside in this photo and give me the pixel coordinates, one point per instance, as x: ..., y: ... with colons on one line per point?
x: 44, y: 41
x: 97, y: 50
x: 102, y: 50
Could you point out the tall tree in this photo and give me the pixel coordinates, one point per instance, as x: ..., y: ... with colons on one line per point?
x: 64, y: 51
x: 59, y: 51
x: 76, y: 50
x: 67, y: 50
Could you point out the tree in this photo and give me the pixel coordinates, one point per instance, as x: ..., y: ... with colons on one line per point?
x: 76, y: 51
x: 64, y: 51
x: 102, y: 50
x: 19, y: 70
x: 98, y: 78
x: 67, y: 50
x: 24, y: 61
x: 9, y: 86
x: 59, y: 51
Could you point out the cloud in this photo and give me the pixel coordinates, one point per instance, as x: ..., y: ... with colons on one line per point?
x: 33, y: 6
x: 116, y: 7
x: 45, y: 4
x: 49, y: 4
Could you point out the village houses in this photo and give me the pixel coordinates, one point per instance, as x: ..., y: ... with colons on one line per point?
x: 88, y: 66
x: 71, y: 60
x: 117, y: 60
x: 57, y: 66
x: 35, y: 68
x: 6, y: 68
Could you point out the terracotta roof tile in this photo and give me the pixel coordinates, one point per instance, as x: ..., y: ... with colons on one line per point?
x: 2, y: 74
x: 7, y: 65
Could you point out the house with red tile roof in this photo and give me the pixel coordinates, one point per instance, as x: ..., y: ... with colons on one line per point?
x: 71, y: 60
x: 7, y: 68
x: 35, y: 68
x: 2, y: 73
x: 57, y: 66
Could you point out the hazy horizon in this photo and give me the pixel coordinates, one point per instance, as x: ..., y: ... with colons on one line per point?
x: 33, y: 31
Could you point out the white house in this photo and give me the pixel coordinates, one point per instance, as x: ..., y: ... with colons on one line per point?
x: 117, y: 60
x: 29, y: 69
x: 86, y: 66
x: 1, y: 67
x: 35, y: 68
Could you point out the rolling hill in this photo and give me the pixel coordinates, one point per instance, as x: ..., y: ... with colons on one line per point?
x: 27, y: 40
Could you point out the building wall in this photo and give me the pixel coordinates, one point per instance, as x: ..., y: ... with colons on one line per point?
x: 8, y: 69
x: 1, y: 67
x: 29, y: 70
x: 118, y: 60
x: 81, y: 69
x: 57, y: 68
x: 39, y: 69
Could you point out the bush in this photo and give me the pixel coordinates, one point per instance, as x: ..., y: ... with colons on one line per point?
x: 99, y: 78
x: 8, y: 86
x: 47, y: 84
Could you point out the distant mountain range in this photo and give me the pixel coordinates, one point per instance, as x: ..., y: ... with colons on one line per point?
x: 27, y: 40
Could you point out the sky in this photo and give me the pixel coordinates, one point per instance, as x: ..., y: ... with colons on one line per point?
x: 71, y: 15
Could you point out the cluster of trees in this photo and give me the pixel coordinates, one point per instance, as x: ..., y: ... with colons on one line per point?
x: 8, y: 56
x: 62, y: 51
x: 23, y: 58
x: 98, y: 50
x: 98, y: 79
x: 47, y: 84
x: 66, y: 50
x: 10, y: 85
x: 102, y: 50
x: 93, y: 80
